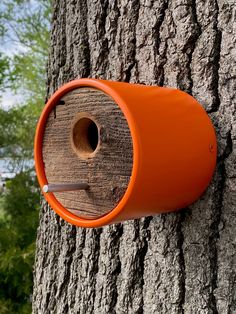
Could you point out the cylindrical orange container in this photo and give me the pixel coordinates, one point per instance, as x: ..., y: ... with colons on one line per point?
x: 174, y: 150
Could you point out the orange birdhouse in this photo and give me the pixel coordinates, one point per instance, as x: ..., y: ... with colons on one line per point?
x: 107, y: 151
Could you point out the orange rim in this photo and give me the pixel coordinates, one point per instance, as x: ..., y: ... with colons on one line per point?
x: 38, y: 156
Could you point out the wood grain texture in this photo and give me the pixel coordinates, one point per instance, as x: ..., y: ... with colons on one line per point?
x: 107, y: 170
x: 172, y: 263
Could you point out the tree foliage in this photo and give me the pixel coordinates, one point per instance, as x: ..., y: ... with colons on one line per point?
x: 17, y: 126
x: 24, y: 36
x: 17, y: 243
x: 4, y: 69
x: 25, y: 26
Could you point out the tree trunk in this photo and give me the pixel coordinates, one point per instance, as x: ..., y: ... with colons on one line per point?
x: 181, y: 262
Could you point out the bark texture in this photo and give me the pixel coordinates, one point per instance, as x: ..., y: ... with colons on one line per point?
x: 174, y: 263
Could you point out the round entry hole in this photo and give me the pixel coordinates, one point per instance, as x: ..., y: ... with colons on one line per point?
x: 85, y: 137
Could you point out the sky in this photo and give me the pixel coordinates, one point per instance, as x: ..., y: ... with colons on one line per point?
x: 9, y: 99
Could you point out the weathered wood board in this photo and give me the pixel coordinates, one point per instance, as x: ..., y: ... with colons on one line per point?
x: 107, y: 170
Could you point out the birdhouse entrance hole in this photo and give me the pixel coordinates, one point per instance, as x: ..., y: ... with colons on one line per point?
x: 84, y: 136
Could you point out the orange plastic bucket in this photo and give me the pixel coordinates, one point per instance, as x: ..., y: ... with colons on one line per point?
x: 174, y: 150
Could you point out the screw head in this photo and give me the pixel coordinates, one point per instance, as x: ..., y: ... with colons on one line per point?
x: 211, y: 148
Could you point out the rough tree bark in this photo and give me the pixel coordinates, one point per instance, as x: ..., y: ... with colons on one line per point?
x: 176, y: 263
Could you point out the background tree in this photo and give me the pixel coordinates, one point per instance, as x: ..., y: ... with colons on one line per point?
x: 24, y: 35
x: 181, y: 262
